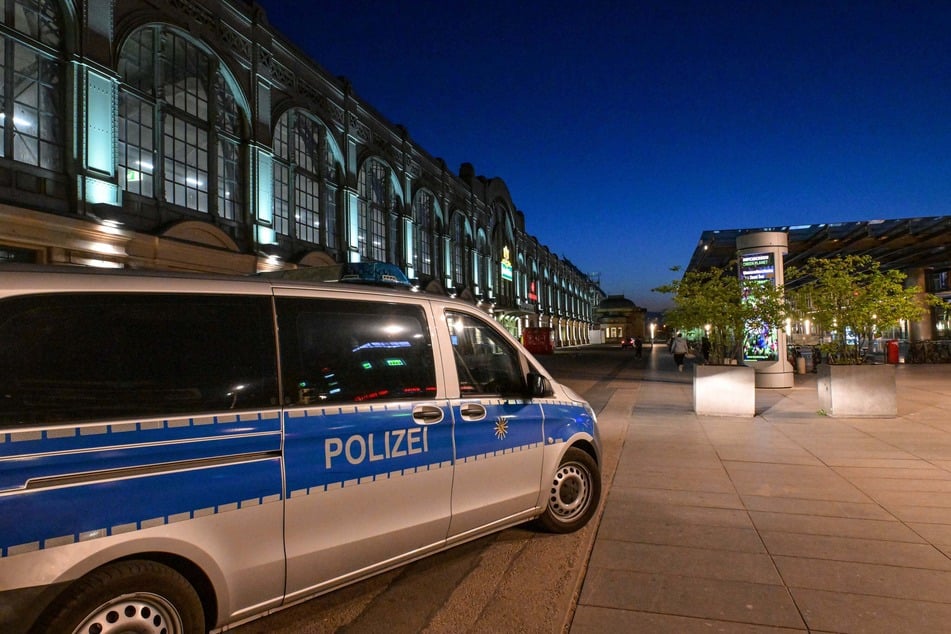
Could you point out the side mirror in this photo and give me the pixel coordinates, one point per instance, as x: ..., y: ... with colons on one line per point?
x: 539, y: 386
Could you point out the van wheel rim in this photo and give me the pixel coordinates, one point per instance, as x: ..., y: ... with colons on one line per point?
x: 570, y: 491
x: 139, y: 613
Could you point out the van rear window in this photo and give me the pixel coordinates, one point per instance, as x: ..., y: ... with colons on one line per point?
x: 92, y: 356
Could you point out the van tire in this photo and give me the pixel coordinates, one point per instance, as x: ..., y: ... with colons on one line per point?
x: 574, y: 493
x: 135, y: 595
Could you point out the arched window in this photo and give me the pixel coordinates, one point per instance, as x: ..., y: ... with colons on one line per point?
x: 180, y: 127
x: 31, y: 86
x: 305, y: 174
x: 375, y: 203
x: 424, y: 210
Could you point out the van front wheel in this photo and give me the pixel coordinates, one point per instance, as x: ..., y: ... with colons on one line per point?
x: 128, y: 596
x: 574, y: 493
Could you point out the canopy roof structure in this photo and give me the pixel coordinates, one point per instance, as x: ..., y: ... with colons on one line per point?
x: 903, y: 243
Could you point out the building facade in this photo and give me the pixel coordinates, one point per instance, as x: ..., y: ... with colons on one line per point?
x: 189, y: 135
x: 619, y: 318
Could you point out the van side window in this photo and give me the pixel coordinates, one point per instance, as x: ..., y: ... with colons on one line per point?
x: 354, y: 351
x: 485, y: 362
x: 98, y: 356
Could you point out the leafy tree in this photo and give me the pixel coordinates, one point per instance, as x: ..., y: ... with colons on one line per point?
x: 852, y: 299
x: 730, y: 307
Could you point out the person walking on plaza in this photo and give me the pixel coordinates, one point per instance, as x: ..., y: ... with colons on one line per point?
x: 638, y: 346
x: 705, y: 348
x: 679, y: 347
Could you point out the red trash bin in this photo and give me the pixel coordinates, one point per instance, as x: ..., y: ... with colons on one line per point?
x: 891, y: 351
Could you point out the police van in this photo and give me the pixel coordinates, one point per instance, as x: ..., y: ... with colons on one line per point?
x: 181, y: 453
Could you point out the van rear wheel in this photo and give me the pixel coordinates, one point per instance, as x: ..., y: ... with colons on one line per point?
x: 128, y: 596
x: 574, y: 493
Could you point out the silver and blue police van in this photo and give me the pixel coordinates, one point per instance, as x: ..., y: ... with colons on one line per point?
x: 180, y: 453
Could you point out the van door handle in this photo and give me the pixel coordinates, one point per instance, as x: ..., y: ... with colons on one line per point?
x: 427, y: 415
x: 472, y: 411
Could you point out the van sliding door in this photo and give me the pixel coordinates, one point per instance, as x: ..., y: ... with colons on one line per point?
x: 368, y: 446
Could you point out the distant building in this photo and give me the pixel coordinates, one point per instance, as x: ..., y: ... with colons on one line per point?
x: 189, y: 135
x: 918, y: 247
x: 619, y: 317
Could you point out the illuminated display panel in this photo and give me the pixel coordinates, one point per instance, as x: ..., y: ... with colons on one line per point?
x: 759, y: 344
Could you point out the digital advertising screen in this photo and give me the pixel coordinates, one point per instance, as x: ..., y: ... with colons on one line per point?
x: 761, y: 343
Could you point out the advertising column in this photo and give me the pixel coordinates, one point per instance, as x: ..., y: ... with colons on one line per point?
x: 760, y: 258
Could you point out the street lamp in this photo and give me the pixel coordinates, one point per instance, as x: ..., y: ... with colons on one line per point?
x: 653, y: 325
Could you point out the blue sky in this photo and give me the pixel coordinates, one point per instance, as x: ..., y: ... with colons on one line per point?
x: 624, y: 129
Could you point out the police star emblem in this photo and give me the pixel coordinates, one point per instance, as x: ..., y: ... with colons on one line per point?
x: 501, y: 427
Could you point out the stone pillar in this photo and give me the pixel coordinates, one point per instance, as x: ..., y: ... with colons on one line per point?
x: 760, y: 256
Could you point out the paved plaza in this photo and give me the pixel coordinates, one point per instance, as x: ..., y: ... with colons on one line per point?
x: 788, y: 521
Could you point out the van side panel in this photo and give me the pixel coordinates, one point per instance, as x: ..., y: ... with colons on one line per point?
x: 70, y: 489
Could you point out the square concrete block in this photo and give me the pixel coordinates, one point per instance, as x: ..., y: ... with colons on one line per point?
x: 857, y: 391
x: 724, y: 390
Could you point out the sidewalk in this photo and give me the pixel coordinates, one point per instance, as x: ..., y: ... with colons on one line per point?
x: 789, y: 521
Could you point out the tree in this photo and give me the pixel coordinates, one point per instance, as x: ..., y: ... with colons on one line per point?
x: 724, y: 307
x: 851, y: 299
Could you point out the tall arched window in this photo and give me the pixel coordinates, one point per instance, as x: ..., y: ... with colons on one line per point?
x: 31, y: 86
x: 176, y: 88
x: 305, y: 187
x: 424, y: 210
x: 375, y: 205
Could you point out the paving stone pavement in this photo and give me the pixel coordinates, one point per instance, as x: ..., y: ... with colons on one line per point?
x: 787, y: 521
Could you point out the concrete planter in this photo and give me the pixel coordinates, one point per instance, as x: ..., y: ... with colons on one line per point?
x: 859, y: 391
x: 724, y: 390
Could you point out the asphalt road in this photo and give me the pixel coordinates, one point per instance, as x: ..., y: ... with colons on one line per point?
x: 518, y: 580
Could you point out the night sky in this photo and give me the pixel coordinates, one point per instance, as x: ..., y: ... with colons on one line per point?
x: 624, y: 129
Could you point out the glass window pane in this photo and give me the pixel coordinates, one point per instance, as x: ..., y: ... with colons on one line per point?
x: 36, y: 112
x: 3, y: 99
x: 307, y: 144
x: 423, y: 215
x: 228, y: 114
x: 307, y: 205
x: 185, y: 74
x: 373, y: 209
x: 281, y: 199
x: 186, y: 166
x: 136, y: 158
x: 69, y: 358
x: 330, y: 217
x: 39, y: 19
x: 137, y: 61
x: 230, y: 198
x: 485, y: 362
x: 347, y: 351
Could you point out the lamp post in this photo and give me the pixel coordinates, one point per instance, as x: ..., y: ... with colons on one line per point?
x: 653, y: 325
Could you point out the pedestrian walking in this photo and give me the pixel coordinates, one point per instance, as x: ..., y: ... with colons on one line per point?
x: 705, y: 348
x: 680, y: 348
x: 638, y: 346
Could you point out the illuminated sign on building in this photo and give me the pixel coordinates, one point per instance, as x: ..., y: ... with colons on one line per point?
x: 506, y: 265
x: 532, y: 293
